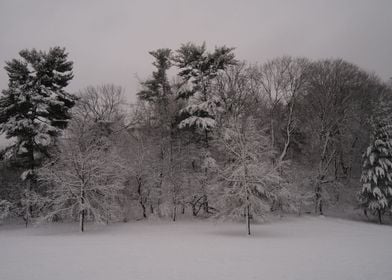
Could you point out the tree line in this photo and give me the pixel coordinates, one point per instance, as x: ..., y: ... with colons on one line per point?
x: 209, y: 136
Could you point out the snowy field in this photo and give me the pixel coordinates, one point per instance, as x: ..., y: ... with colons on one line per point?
x: 297, y: 248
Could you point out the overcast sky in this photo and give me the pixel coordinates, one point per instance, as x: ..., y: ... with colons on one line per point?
x: 109, y: 40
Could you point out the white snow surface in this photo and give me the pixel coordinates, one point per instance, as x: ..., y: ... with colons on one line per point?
x: 294, y: 248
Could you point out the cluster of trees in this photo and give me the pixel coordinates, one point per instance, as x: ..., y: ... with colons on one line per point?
x: 208, y: 136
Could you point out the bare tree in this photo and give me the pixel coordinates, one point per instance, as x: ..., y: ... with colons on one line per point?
x: 101, y: 112
x: 237, y: 89
x: 333, y: 91
x: 102, y: 103
x: 138, y: 152
x: 282, y: 81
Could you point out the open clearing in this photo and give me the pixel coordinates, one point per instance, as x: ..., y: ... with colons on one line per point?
x: 296, y: 248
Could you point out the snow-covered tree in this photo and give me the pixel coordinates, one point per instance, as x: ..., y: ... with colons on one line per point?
x: 83, y: 183
x: 376, y: 192
x: 156, y: 121
x: 157, y: 89
x: 5, y: 209
x: 35, y: 107
x: 198, y: 68
x: 204, y: 180
x: 250, y: 180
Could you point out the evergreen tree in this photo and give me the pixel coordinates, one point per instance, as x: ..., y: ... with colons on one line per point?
x: 161, y: 103
x: 157, y: 92
x: 157, y: 89
x: 376, y: 192
x: 35, y: 107
x: 198, y: 69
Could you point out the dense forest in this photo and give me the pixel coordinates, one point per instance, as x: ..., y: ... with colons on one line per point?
x: 209, y: 136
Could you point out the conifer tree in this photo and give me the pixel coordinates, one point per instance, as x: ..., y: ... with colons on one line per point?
x: 157, y: 89
x: 198, y: 68
x: 157, y: 93
x: 376, y: 192
x: 35, y: 107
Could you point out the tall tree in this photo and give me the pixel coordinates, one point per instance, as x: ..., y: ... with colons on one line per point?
x: 157, y: 88
x: 162, y: 106
x: 376, y: 192
x: 35, y: 107
x: 282, y: 82
x: 198, y: 69
x: 334, y: 89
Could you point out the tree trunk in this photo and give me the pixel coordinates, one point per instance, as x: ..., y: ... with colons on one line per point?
x: 82, y: 214
x: 139, y: 192
x: 379, y: 216
x: 272, y: 132
x: 205, y: 205
x: 183, y: 209
x: 365, y: 213
x: 288, y: 132
x: 321, y: 207
x: 194, y: 213
x: 82, y: 211
x: 248, y: 219
x: 151, y: 209
x: 143, y: 208
x: 326, y: 159
x: 28, y: 206
x: 174, y: 213
x: 31, y: 185
x: 319, y: 200
x: 161, y: 158
x: 247, y: 190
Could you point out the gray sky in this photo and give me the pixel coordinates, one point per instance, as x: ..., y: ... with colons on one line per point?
x: 109, y: 40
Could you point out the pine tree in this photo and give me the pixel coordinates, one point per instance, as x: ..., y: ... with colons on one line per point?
x: 157, y: 89
x: 35, y: 108
x: 157, y: 93
x: 376, y: 192
x: 198, y: 68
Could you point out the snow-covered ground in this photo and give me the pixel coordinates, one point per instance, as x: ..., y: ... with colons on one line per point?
x: 297, y: 248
